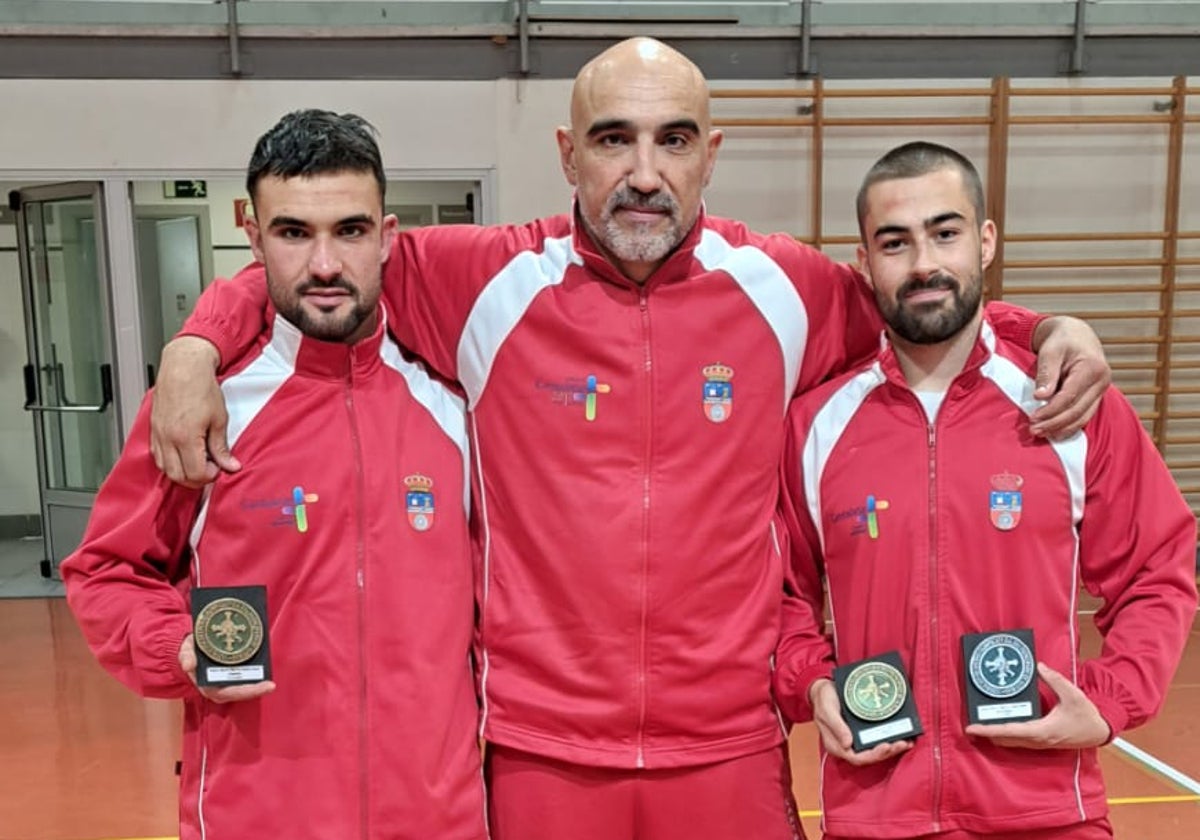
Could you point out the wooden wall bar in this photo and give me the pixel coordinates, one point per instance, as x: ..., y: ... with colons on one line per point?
x: 1144, y: 303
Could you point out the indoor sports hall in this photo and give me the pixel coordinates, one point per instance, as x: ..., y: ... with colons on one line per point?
x: 123, y: 147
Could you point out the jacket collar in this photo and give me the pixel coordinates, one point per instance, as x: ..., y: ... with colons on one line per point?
x: 676, y: 267
x: 326, y: 359
x: 981, y: 352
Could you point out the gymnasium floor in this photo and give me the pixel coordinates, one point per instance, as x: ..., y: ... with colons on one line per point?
x: 82, y: 758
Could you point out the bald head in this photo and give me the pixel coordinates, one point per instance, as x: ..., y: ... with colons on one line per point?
x: 639, y: 151
x: 641, y: 66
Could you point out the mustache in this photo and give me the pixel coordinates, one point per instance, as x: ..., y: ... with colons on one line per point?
x: 626, y: 197
x: 930, y: 283
x: 338, y: 282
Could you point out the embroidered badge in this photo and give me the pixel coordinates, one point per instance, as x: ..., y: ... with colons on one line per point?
x: 298, y: 509
x: 864, y: 518
x: 1004, y: 501
x: 574, y: 391
x: 419, y: 501
x: 589, y: 404
x: 718, y: 392
x: 872, y: 516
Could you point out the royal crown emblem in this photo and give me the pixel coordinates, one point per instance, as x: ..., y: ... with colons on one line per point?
x: 718, y: 392
x: 1007, y: 481
x: 1005, y: 500
x: 418, y: 500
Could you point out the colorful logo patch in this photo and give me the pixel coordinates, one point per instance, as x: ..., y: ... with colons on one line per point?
x: 718, y: 392
x: 1004, y: 500
x: 298, y: 509
x: 418, y: 500
x: 865, y: 517
x: 574, y: 391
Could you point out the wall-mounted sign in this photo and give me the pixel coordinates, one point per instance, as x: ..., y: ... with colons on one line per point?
x: 455, y: 214
x: 185, y: 189
x: 241, y: 208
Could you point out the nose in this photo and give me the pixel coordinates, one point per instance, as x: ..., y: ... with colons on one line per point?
x: 324, y: 263
x: 644, y: 176
x: 925, y: 263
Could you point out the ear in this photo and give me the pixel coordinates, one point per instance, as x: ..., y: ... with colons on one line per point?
x: 715, y: 136
x: 987, y: 242
x: 864, y: 267
x: 566, y: 153
x: 391, y: 229
x: 253, y: 233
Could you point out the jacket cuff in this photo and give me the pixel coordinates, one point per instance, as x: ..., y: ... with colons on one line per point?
x: 165, y: 649
x: 216, y: 334
x: 1023, y: 330
x: 802, y: 683
x: 1114, y: 715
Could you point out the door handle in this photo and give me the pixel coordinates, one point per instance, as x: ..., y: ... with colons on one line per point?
x: 30, y: 387
x: 106, y: 394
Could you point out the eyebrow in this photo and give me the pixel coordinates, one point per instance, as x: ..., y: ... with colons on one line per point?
x: 291, y: 221
x: 934, y: 221
x: 601, y: 126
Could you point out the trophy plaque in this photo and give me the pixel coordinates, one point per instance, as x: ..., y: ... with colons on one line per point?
x: 877, y: 704
x: 229, y: 626
x: 999, y: 672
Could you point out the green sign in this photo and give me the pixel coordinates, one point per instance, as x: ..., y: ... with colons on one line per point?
x: 185, y: 189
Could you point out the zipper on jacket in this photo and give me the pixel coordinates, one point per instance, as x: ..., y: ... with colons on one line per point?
x: 360, y: 584
x: 647, y: 434
x: 935, y: 634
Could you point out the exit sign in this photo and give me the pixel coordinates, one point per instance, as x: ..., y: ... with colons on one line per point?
x: 185, y: 189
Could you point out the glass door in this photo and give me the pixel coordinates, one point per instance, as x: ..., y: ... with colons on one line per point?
x: 69, y: 373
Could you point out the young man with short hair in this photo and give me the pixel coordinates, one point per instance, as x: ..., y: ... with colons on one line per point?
x: 914, y: 489
x: 351, y: 511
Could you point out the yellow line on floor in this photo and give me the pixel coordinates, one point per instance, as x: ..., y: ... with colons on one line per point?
x: 1152, y: 800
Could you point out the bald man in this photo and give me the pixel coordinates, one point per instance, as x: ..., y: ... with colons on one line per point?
x: 628, y: 368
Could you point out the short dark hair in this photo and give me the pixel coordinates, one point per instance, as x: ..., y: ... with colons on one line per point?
x: 913, y: 160
x: 315, y: 142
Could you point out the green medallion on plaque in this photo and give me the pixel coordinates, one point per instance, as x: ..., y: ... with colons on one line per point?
x: 876, y: 701
x: 874, y: 691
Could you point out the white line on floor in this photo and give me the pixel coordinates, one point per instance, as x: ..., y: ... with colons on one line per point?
x: 1184, y: 781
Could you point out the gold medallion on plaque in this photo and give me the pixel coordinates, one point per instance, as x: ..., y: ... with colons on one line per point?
x: 875, y: 691
x: 229, y: 631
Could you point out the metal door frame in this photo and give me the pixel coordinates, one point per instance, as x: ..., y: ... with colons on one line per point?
x: 33, y: 269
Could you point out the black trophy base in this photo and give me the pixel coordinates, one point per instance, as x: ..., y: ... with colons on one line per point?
x: 1000, y: 677
x: 229, y: 629
x: 877, y: 701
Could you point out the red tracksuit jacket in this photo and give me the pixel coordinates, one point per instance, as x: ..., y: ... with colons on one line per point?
x: 351, y: 508
x: 627, y: 441
x: 977, y: 527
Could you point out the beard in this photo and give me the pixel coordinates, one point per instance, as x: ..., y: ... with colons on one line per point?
x: 324, y: 326
x: 929, y: 323
x: 639, y: 244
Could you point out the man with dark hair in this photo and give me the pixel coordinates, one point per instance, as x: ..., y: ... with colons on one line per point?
x: 312, y: 142
x: 920, y: 158
x: 945, y: 532
x: 351, y: 512
x: 627, y: 369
